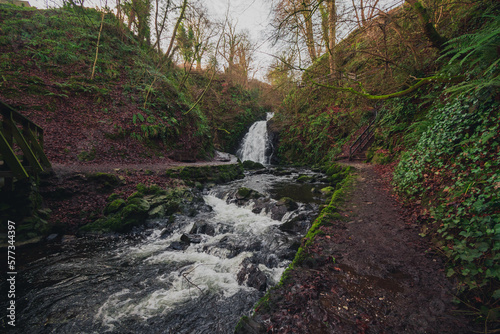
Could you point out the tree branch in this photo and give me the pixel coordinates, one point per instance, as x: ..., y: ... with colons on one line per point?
x: 410, y: 89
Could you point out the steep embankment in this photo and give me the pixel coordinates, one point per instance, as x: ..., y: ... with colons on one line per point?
x: 119, y: 108
x: 123, y: 103
x: 442, y: 139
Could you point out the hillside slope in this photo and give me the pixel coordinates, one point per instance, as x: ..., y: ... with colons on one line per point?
x: 441, y: 139
x: 132, y: 110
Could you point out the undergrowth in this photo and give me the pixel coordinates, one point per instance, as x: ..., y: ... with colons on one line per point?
x: 46, y: 61
x: 453, y: 169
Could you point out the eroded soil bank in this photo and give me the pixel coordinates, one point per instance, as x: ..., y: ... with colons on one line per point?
x: 369, y: 272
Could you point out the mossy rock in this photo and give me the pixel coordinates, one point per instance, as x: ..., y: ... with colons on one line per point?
x: 157, y: 200
x: 251, y: 165
x: 336, y: 178
x: 155, y: 189
x: 136, y: 194
x: 327, y: 191
x: 172, y: 206
x: 304, y: 178
x: 157, y: 212
x: 289, y: 203
x: 333, y: 169
x: 243, y: 192
x: 139, y: 205
x: 247, y: 193
x: 114, y: 206
x: 207, y: 174
x: 106, y: 224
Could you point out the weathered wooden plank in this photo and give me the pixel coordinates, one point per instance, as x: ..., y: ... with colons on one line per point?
x: 10, y: 158
x: 10, y: 113
x: 37, y: 148
x: 20, y: 140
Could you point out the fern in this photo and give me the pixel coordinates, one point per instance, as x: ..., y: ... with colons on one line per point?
x: 477, y: 55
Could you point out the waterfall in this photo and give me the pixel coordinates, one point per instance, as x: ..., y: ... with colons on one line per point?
x: 255, y: 144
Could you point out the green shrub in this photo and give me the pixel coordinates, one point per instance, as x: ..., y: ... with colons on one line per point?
x: 455, y: 171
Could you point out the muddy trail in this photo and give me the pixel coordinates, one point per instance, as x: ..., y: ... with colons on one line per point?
x: 62, y: 170
x: 368, y: 273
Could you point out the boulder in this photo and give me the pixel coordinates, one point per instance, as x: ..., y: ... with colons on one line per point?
x: 253, y: 276
x: 297, y: 224
x: 251, y: 165
x: 200, y: 228
x: 157, y: 212
x: 141, y: 204
x: 289, y: 203
x: 179, y: 246
x: 191, y: 238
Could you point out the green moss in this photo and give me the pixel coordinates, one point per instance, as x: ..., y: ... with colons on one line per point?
x: 244, y: 192
x: 138, y: 205
x: 141, y: 188
x: 114, y: 206
x: 113, y: 197
x: 251, y: 165
x: 333, y: 169
x: 327, y: 191
x: 122, y: 215
x: 304, y: 178
x: 134, y: 195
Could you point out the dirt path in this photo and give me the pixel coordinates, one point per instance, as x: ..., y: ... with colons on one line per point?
x: 65, y: 169
x: 370, y: 273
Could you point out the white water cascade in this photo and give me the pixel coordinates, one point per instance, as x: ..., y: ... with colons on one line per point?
x: 256, y: 143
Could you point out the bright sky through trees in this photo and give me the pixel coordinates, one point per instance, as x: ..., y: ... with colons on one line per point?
x: 252, y: 15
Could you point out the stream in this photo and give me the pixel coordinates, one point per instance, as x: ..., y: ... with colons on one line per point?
x: 197, y: 272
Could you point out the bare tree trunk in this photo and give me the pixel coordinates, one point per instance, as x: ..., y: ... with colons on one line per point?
x: 131, y: 18
x: 309, y: 31
x: 363, y: 18
x: 324, y: 25
x: 159, y: 28
x: 179, y: 20
x: 430, y: 31
x: 332, y: 33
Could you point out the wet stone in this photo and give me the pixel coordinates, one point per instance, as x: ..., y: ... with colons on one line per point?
x: 191, y: 238
x: 203, y: 229
x: 52, y: 237
x: 178, y: 246
x: 295, y: 225
x: 254, y: 277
